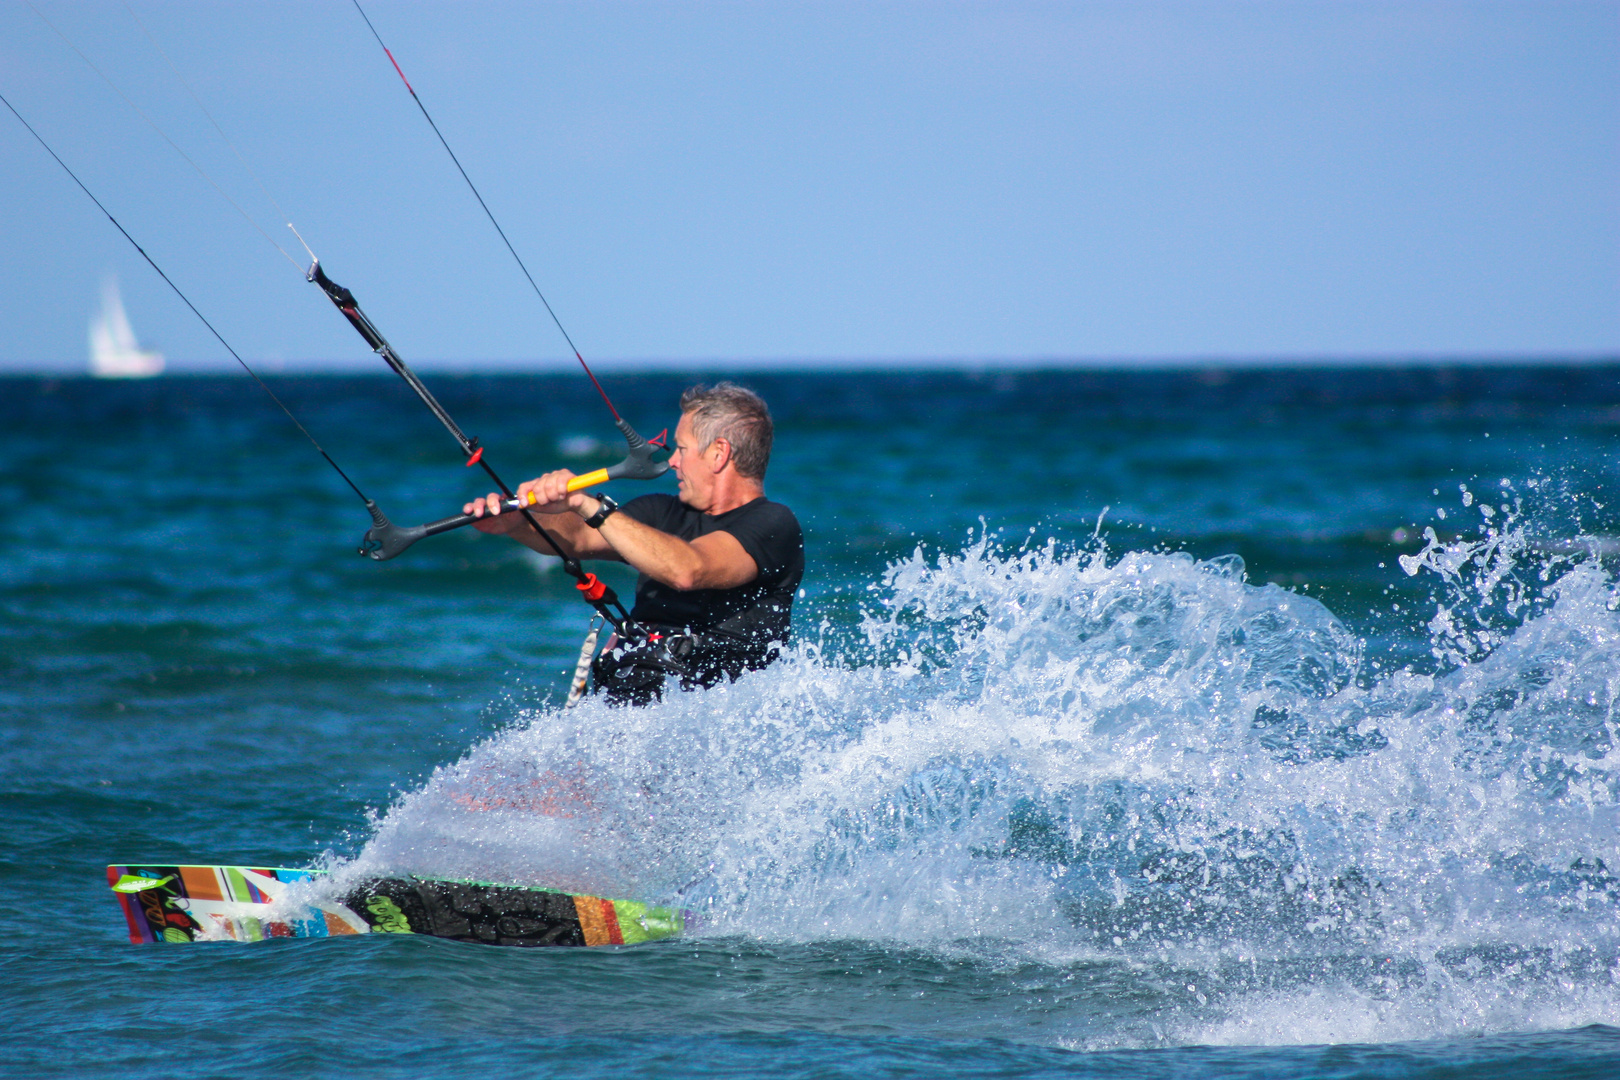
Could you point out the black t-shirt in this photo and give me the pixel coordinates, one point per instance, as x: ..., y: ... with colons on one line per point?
x: 758, y: 612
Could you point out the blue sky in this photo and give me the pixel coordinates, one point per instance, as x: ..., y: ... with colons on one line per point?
x: 786, y: 183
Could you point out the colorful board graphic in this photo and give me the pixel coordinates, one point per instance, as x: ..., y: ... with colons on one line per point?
x: 177, y: 904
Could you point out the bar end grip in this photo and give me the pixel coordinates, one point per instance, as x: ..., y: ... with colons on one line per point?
x: 384, y: 539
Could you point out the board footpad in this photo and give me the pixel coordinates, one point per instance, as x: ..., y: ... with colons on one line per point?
x: 487, y: 914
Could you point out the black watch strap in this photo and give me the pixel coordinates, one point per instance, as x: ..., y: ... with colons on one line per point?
x: 603, y: 512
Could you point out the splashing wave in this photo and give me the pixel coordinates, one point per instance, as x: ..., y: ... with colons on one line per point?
x: 1144, y: 760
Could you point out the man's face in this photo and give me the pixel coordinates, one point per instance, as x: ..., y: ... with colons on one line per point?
x: 692, y: 466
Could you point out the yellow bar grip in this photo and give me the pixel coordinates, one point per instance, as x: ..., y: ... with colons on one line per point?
x: 579, y: 483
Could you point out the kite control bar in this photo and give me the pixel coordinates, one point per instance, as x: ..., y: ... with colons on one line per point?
x: 384, y: 539
x: 638, y: 464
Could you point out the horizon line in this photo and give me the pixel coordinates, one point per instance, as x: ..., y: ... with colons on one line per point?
x: 806, y: 365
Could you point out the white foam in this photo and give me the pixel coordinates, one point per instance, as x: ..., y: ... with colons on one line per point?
x: 1143, y: 757
x: 1321, y: 1015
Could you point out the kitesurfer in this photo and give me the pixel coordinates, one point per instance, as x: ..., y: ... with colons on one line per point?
x: 719, y: 563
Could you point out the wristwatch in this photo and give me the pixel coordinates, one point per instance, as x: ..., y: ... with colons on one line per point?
x: 603, y: 512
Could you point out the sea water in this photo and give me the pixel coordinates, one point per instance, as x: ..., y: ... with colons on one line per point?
x: 1177, y: 723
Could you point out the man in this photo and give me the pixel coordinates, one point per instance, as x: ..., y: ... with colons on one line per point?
x: 719, y: 562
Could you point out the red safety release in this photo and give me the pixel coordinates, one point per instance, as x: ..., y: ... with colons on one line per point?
x: 593, y: 589
x: 478, y: 455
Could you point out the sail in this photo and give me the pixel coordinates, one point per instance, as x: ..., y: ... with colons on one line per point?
x: 114, y: 352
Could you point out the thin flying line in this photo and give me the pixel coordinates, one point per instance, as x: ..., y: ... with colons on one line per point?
x: 246, y: 216
x: 487, y: 212
x: 285, y: 217
x: 312, y: 259
x: 149, y: 261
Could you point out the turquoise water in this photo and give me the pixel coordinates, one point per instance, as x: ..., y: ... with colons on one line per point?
x: 1133, y: 727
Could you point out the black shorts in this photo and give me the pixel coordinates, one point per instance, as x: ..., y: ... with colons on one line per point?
x: 636, y: 674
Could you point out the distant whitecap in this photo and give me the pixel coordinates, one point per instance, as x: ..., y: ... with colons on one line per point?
x: 578, y: 446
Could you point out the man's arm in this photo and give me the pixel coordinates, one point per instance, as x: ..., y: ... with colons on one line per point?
x: 715, y: 561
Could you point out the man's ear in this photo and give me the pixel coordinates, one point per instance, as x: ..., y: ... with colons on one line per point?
x: 722, y: 454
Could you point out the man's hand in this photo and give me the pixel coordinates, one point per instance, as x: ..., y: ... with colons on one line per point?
x: 547, y: 494
x: 488, y: 512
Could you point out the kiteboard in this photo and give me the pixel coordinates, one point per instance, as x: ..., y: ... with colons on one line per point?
x: 179, y: 904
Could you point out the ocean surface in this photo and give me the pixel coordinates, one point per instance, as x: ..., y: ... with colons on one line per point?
x: 1239, y: 723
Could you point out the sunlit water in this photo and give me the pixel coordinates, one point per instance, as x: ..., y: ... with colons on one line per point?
x: 1039, y: 786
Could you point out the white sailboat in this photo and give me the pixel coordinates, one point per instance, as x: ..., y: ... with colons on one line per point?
x: 114, y: 352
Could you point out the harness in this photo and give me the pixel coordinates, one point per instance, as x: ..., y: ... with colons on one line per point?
x: 635, y: 672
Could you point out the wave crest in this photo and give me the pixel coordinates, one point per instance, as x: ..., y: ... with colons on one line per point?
x: 1144, y: 758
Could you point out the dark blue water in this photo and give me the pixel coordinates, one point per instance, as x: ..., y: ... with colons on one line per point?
x: 1253, y: 778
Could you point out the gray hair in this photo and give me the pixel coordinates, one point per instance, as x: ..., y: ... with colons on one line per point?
x: 736, y: 414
